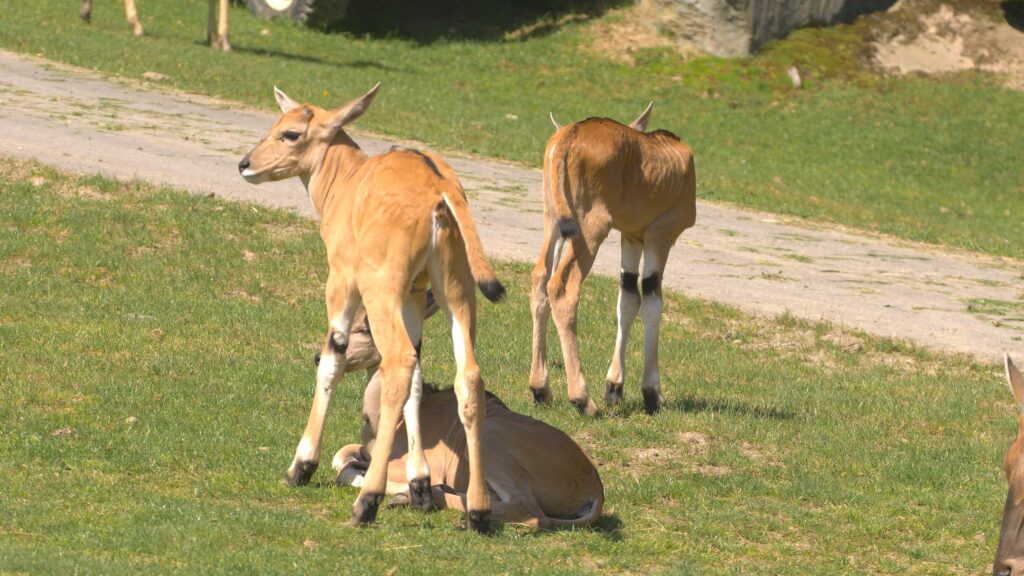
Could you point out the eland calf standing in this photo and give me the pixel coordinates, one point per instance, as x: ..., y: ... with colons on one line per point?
x: 391, y: 224
x: 599, y: 175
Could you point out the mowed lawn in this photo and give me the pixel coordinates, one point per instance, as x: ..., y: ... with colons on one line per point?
x: 156, y: 371
x: 929, y: 160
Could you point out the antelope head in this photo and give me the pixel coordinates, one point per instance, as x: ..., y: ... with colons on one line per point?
x: 1010, y: 552
x: 298, y: 140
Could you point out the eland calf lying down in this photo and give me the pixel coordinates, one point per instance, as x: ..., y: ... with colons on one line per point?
x: 537, y: 475
x: 216, y: 22
x: 1010, y: 552
x: 391, y: 224
x: 599, y: 175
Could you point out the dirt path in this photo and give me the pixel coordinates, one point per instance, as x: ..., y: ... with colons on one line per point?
x: 80, y: 121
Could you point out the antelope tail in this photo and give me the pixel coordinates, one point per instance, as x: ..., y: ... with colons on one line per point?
x: 589, y: 514
x: 561, y: 189
x: 482, y: 273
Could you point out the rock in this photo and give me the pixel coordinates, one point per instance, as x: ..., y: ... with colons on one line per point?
x: 155, y: 76
x: 741, y: 27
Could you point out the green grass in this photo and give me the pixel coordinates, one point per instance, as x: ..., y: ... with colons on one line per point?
x: 156, y: 373
x: 918, y: 158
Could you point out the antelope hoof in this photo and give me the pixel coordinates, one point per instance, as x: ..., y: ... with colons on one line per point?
x: 299, y: 473
x: 541, y: 396
x: 612, y: 393
x: 419, y: 494
x: 364, y: 511
x: 585, y: 405
x: 86, y: 15
x: 479, y: 521
x: 652, y: 401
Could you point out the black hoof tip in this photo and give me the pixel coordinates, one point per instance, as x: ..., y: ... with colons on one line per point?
x: 542, y: 396
x: 492, y: 290
x: 612, y: 393
x: 300, y: 473
x: 652, y: 401
x: 479, y: 521
x: 419, y: 494
x: 585, y: 405
x: 364, y: 511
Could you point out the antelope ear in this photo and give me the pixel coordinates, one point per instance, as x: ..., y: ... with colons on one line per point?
x: 555, y: 122
x: 351, y: 110
x: 1015, y: 381
x: 640, y: 124
x: 284, y: 101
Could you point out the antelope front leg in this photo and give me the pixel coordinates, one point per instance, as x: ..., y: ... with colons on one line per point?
x: 627, y: 309
x: 416, y: 469
x: 329, y: 370
x: 217, y: 36
x: 86, y: 11
x: 132, y: 15
x: 655, y: 257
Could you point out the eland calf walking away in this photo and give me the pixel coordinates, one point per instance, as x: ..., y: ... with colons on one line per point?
x: 1010, y: 553
x: 391, y: 224
x: 216, y: 21
x: 599, y: 175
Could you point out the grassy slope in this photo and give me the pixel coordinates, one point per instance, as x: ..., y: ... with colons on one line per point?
x: 825, y: 452
x: 925, y: 160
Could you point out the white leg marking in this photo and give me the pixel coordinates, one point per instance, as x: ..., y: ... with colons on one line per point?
x: 411, y: 412
x: 652, y: 322
x: 327, y: 373
x: 458, y: 343
x: 626, y: 310
x: 306, y: 451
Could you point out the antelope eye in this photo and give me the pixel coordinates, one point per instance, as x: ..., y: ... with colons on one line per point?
x: 291, y: 135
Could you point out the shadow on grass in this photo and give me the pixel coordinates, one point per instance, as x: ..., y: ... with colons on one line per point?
x: 1013, y: 11
x: 692, y: 404
x: 308, y: 59
x: 482, y: 20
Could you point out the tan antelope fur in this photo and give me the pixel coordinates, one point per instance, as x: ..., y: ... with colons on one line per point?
x: 216, y: 22
x: 1010, y: 551
x: 599, y: 175
x: 391, y: 224
x: 537, y: 475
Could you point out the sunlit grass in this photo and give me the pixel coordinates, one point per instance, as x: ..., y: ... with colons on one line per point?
x: 155, y: 374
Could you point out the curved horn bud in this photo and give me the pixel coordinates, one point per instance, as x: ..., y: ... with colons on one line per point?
x: 640, y: 124
x: 284, y: 101
x: 555, y: 122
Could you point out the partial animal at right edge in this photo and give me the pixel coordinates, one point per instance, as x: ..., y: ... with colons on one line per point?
x: 601, y: 175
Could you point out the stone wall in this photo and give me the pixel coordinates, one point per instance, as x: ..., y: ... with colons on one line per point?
x: 741, y: 27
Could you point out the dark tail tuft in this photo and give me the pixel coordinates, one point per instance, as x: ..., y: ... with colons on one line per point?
x: 493, y: 290
x: 567, y: 227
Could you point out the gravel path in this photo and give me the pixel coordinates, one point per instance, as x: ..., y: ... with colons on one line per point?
x: 767, y: 264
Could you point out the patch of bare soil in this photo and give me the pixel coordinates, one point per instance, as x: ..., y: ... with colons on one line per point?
x: 944, y: 40
x: 696, y: 442
x: 624, y: 34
